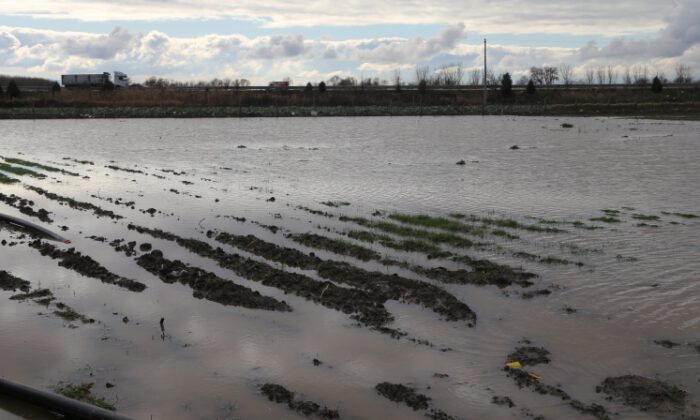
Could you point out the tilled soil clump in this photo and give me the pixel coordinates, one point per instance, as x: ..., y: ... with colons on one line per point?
x: 25, y: 207
x: 85, y: 265
x: 12, y: 283
x: 645, y: 393
x: 207, y: 285
x: 280, y: 394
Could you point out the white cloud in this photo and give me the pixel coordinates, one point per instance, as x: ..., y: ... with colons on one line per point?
x: 512, y: 16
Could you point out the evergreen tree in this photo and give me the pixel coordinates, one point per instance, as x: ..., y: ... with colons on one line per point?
x: 13, y: 90
x: 322, y: 87
x: 656, y: 86
x: 309, y: 88
x: 422, y: 86
x: 506, y: 85
x: 531, y: 87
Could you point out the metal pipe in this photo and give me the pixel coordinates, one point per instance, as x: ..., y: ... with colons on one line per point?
x: 59, y: 404
x: 31, y: 226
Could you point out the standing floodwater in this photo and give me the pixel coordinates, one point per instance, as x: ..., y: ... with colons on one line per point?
x: 355, y: 267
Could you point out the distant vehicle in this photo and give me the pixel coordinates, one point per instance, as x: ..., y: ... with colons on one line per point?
x: 281, y: 85
x: 121, y: 79
x: 94, y: 80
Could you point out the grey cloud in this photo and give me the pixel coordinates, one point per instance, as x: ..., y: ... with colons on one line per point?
x: 280, y: 46
x: 102, y: 47
x: 415, y: 49
x: 681, y: 33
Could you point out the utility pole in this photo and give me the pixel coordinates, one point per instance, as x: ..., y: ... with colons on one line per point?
x: 483, y: 105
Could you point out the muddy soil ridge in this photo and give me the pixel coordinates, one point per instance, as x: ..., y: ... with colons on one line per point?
x: 85, y: 265
x: 78, y: 205
x: 207, y: 285
x: 384, y: 287
x: 645, y: 394
x: 11, y: 283
x: 403, y: 394
x: 280, y: 394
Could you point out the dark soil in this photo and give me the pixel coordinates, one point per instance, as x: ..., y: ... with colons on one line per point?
x: 645, y: 393
x: 207, y: 285
x: 666, y: 343
x: 529, y: 356
x: 280, y: 394
x: 78, y: 205
x: 85, y: 265
x: 498, y: 400
x: 117, y: 168
x: 403, y: 394
x: 25, y: 207
x: 34, y: 294
x: 12, y: 283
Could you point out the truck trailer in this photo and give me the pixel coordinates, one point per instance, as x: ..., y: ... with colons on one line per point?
x: 94, y: 80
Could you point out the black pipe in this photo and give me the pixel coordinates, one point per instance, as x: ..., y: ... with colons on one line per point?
x: 72, y: 409
x: 33, y: 227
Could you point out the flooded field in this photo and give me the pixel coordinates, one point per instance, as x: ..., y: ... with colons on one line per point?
x: 466, y: 267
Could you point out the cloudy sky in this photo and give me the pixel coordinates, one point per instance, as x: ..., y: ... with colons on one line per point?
x: 312, y: 40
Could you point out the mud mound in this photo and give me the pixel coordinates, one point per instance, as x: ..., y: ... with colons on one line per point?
x: 644, y: 393
x: 10, y: 282
x: 529, y: 356
x: 403, y: 394
x: 280, y: 394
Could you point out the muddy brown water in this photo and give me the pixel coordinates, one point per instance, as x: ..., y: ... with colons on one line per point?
x: 638, y: 284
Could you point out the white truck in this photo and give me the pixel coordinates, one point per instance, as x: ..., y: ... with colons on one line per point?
x: 94, y: 80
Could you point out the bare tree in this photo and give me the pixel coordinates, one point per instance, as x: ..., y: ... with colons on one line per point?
x: 640, y: 74
x: 422, y: 74
x: 475, y: 77
x: 537, y: 75
x: 523, y: 80
x: 600, y: 74
x: 551, y: 75
x: 396, y: 79
x: 566, y: 74
x: 334, y: 81
x: 491, y: 78
x: 627, y: 76
x: 589, y: 75
x: 612, y: 74
x: 683, y: 74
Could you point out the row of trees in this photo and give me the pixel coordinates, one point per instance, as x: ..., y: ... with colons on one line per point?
x: 12, y: 90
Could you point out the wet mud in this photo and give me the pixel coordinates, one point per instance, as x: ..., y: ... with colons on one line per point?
x: 645, y: 394
x: 279, y: 394
x: 12, y: 283
x: 85, y: 265
x: 207, y: 285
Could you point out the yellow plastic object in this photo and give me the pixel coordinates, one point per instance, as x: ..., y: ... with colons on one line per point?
x: 538, y: 377
x: 514, y: 365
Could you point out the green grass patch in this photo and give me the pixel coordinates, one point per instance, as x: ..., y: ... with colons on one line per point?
x: 567, y: 125
x: 611, y: 212
x: 83, y: 392
x: 18, y: 170
x: 441, y: 223
x: 504, y: 234
x: 38, y: 165
x: 645, y: 217
x: 4, y: 179
x: 605, y: 219
x: 684, y: 215
x: 337, y: 246
x: 513, y: 224
x: 82, y: 162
